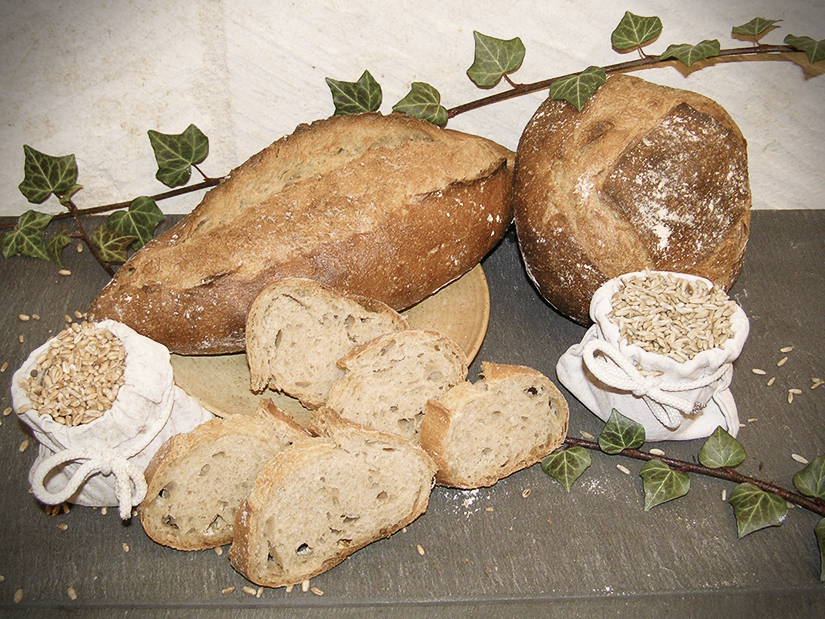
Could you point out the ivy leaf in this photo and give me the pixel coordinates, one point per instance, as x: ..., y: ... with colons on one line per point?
x: 688, y: 54
x: 29, y: 237
x: 814, y: 49
x: 810, y: 481
x: 494, y: 58
x: 662, y: 484
x: 721, y: 449
x: 577, y: 89
x: 423, y: 101
x: 566, y: 465
x: 176, y: 153
x: 56, y: 245
x: 620, y: 433
x: 754, y: 28
x: 355, y: 97
x: 756, y: 509
x: 634, y: 31
x: 112, y: 245
x: 140, y: 220
x: 819, y: 531
x: 45, y: 175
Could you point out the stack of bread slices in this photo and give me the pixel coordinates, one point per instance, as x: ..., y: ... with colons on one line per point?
x: 393, y: 414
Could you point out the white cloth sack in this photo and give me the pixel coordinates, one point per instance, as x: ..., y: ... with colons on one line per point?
x: 102, y: 463
x: 688, y: 400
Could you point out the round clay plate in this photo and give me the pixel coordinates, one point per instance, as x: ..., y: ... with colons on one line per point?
x: 460, y: 310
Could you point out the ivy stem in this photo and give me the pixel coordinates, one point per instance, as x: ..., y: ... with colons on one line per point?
x: 74, y: 212
x: 646, y: 61
x: 726, y: 473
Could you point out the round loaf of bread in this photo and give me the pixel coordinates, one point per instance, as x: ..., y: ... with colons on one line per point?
x: 643, y: 177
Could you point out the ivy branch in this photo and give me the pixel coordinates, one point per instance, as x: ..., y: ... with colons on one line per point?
x: 495, y: 60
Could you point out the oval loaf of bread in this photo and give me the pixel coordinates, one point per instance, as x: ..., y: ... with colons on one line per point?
x: 479, y: 433
x: 197, y: 479
x: 388, y: 207
x: 321, y: 500
x: 388, y: 381
x: 298, y: 329
x: 643, y: 177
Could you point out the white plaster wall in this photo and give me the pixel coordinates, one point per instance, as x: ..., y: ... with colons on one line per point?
x: 91, y: 77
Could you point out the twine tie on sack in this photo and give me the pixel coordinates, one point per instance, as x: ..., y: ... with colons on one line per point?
x: 657, y: 394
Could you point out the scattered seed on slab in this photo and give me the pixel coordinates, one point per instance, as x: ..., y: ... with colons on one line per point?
x: 305, y: 585
x: 64, y: 272
x: 227, y: 590
x: 817, y: 382
x: 78, y: 314
x: 623, y: 469
x: 758, y: 371
x: 79, y: 247
x: 18, y: 596
x: 525, y: 493
x: 249, y: 590
x: 786, y: 349
x: 790, y: 397
x: 586, y: 435
x: 724, y: 494
x: 71, y: 593
x: 24, y: 445
x: 125, y: 547
x: 317, y: 591
x: 35, y: 316
x: 63, y: 526
x: 104, y: 510
x: 24, y: 317
x: 657, y: 452
x: 4, y: 367
x: 800, y: 459
x: 770, y: 380
x: 488, y: 509
x: 420, y: 549
x: 218, y: 550
x: 795, y: 391
x: 289, y: 588
x: 7, y: 411
x: 259, y: 592
x: 21, y: 338
x: 782, y: 362
x: 752, y: 419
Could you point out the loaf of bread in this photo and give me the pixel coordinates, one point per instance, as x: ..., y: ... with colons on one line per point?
x: 479, y: 433
x: 321, y: 500
x: 197, y: 479
x: 388, y: 207
x: 298, y: 329
x: 388, y: 381
x: 643, y: 177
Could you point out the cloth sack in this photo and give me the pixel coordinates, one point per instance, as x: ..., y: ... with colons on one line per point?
x: 101, y: 463
x: 672, y: 400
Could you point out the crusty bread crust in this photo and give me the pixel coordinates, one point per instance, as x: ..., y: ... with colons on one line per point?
x: 310, y: 508
x: 388, y: 207
x: 644, y: 177
x: 483, y: 432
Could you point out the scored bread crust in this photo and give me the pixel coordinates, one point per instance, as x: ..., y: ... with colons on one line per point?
x: 388, y: 207
x: 315, y: 491
x: 388, y: 380
x: 479, y: 433
x: 297, y: 331
x: 207, y: 500
x: 644, y: 177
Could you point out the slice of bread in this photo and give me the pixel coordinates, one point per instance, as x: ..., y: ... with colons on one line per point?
x: 389, y: 380
x: 197, y: 479
x: 480, y: 433
x: 297, y: 330
x: 321, y: 500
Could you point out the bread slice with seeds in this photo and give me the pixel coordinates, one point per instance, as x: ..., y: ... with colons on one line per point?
x: 197, y: 479
x: 479, y: 433
x: 297, y: 329
x: 321, y: 500
x: 389, y: 380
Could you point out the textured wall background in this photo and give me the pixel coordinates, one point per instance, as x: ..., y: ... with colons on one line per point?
x: 90, y: 78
